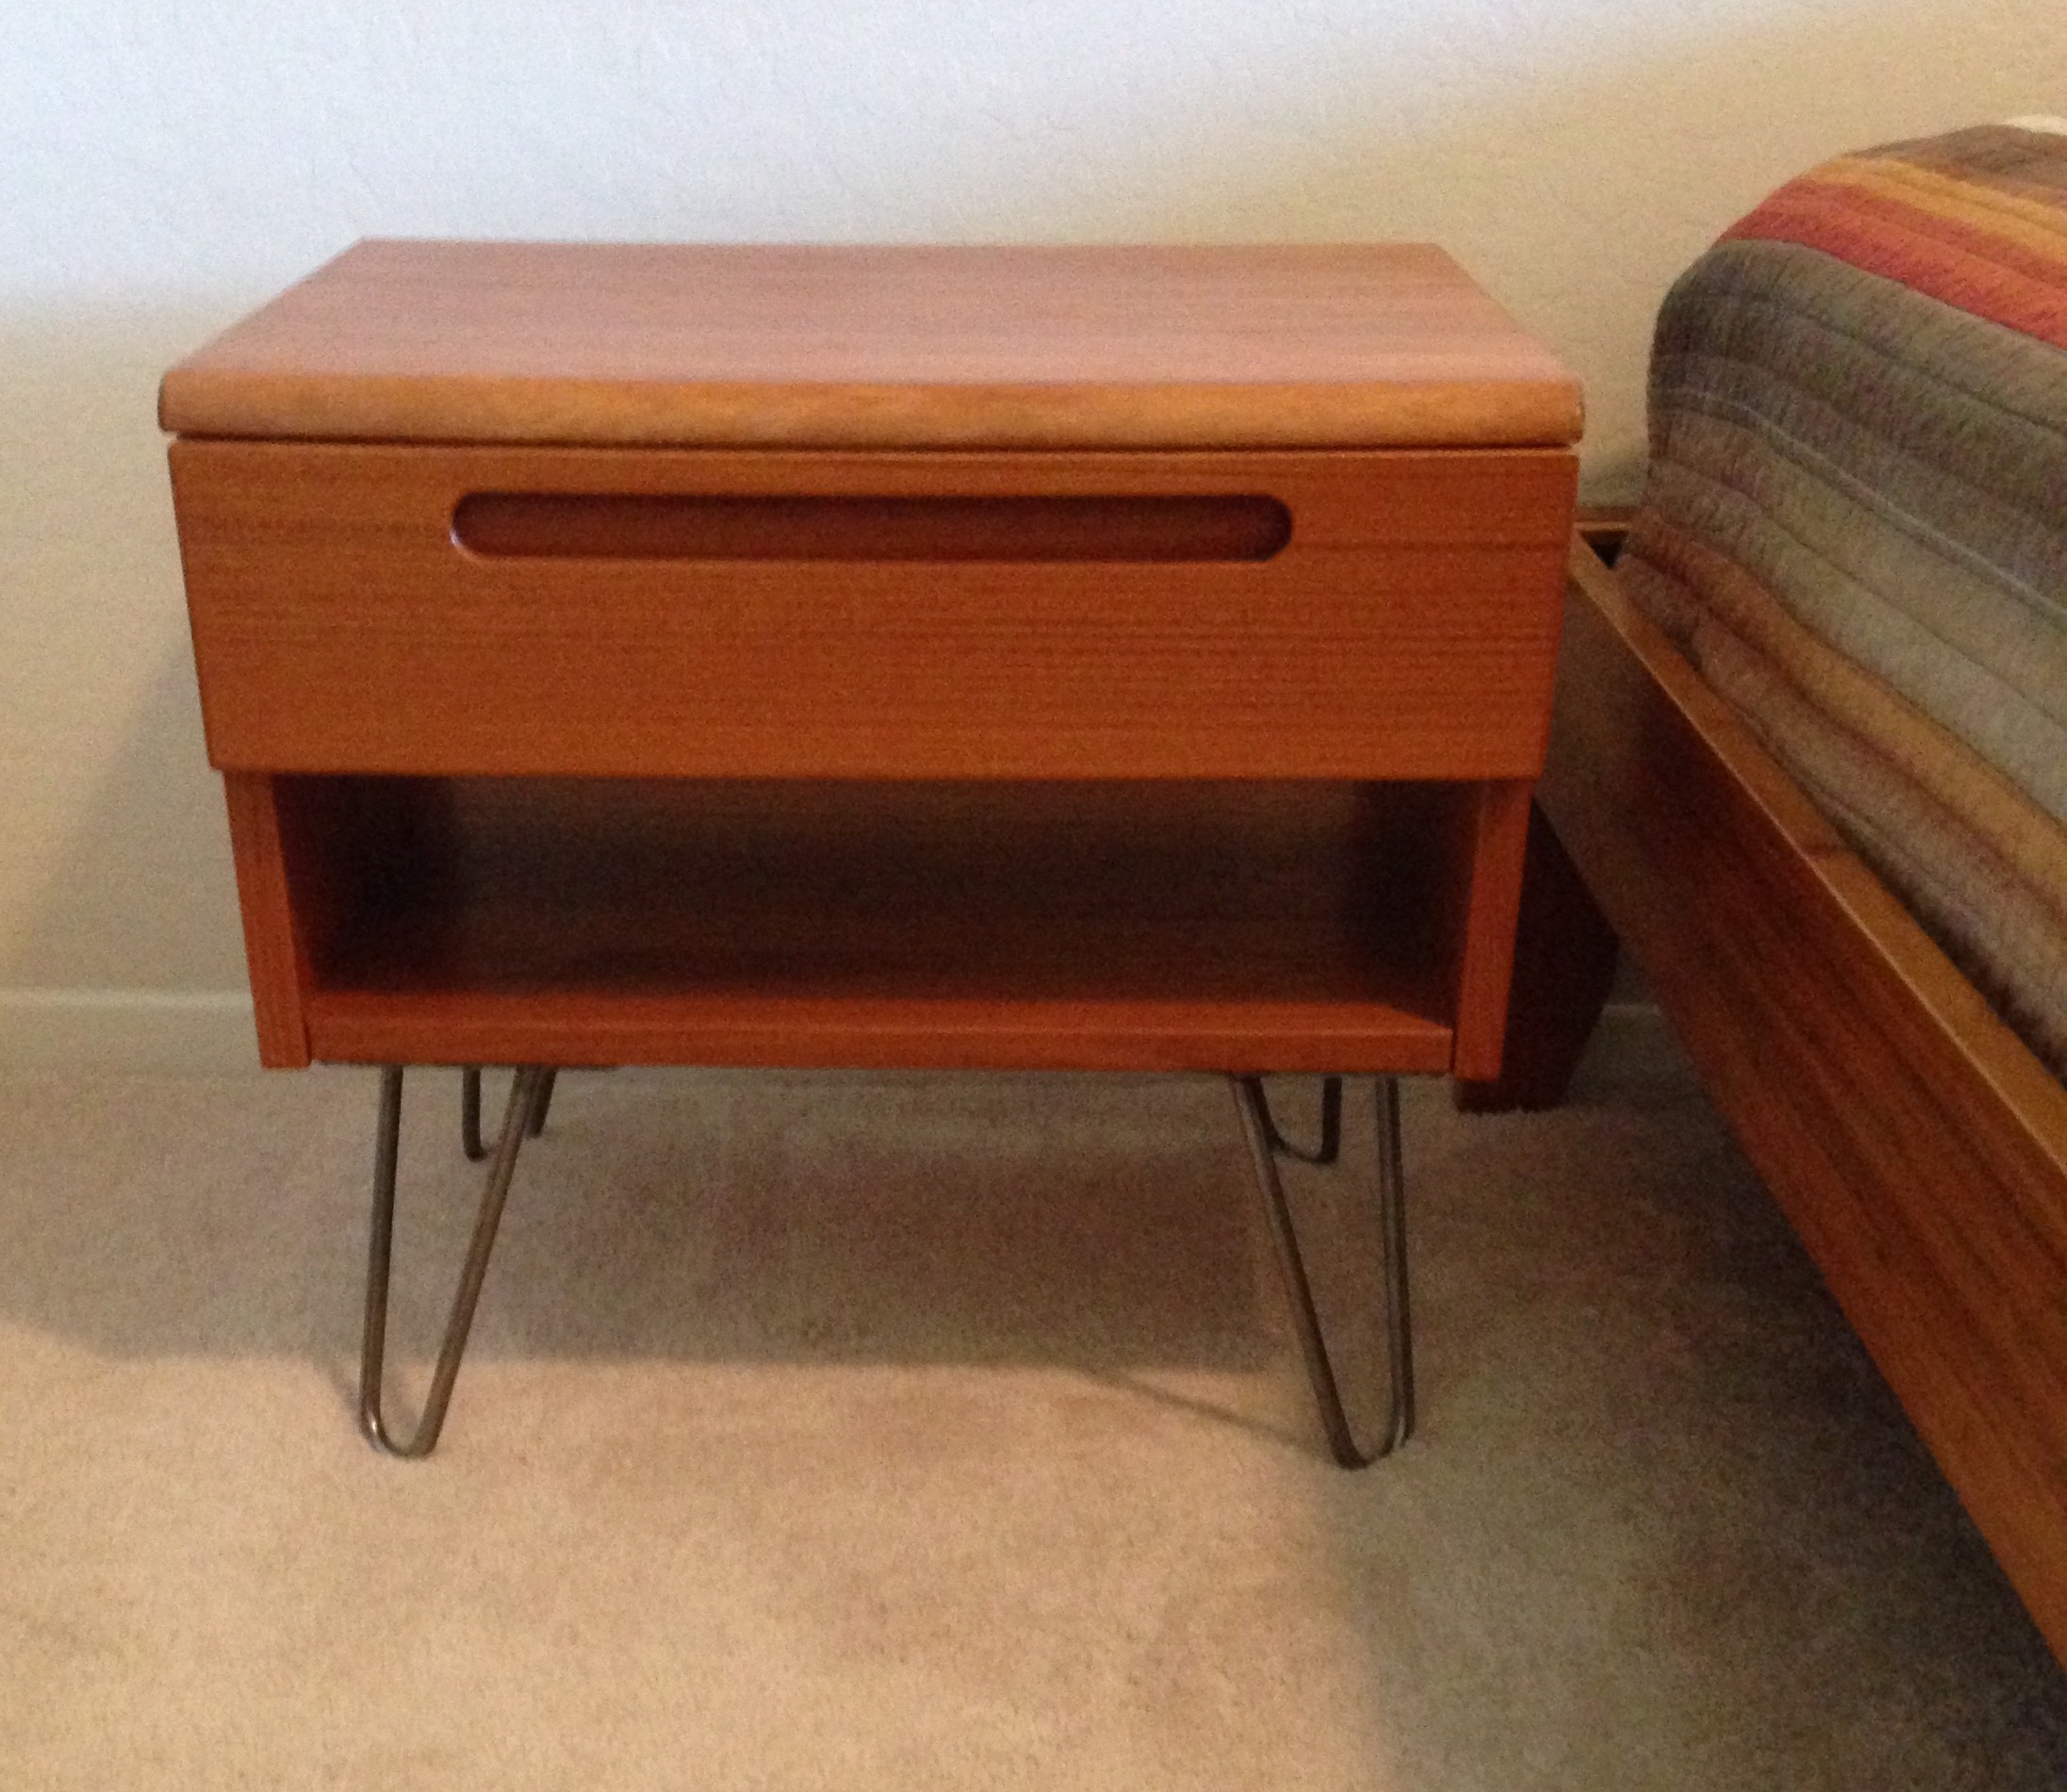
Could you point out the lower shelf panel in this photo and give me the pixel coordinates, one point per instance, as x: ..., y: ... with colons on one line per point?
x: 584, y: 1028
x: 1173, y: 925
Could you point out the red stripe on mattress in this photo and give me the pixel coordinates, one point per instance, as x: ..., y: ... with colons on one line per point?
x: 1960, y: 265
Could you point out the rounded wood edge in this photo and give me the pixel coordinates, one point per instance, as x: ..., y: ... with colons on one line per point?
x: 1530, y: 412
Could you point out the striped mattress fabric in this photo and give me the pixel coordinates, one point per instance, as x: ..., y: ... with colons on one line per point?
x: 1855, y: 525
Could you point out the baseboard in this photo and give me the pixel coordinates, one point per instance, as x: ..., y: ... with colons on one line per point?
x: 193, y: 1032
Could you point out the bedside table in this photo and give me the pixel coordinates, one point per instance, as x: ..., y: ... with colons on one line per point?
x: 1104, y: 658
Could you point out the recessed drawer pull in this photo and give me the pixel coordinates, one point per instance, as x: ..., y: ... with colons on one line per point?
x: 1119, y: 529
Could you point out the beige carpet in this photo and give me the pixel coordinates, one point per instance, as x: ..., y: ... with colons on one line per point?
x: 900, y: 1432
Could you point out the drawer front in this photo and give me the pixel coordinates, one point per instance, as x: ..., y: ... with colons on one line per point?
x: 712, y: 614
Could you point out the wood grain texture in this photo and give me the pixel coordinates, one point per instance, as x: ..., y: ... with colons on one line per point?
x: 993, y: 1033
x: 1361, y: 345
x: 693, y: 514
x: 1498, y: 838
x: 1162, y: 926
x: 1406, y: 630
x: 1564, y: 965
x: 1918, y: 1147
x: 272, y: 951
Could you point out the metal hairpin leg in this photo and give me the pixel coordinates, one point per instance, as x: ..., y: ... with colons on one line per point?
x: 1266, y: 1145
x: 1330, y: 1147
x: 470, y: 1111
x: 527, y: 1102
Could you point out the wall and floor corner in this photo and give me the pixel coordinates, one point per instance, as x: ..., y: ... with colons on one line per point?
x: 162, y: 170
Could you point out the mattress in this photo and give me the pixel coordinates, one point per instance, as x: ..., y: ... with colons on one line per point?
x: 1855, y: 525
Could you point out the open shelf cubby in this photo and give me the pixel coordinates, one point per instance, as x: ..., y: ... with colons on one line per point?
x: 1207, y: 925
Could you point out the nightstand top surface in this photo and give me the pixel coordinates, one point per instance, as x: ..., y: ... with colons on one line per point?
x: 1356, y: 345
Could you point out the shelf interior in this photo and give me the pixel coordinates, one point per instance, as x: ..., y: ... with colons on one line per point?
x: 595, y: 905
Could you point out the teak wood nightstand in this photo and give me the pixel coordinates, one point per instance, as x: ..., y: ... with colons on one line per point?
x: 1105, y: 658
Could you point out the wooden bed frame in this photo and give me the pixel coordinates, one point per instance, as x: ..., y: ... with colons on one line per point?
x: 1918, y: 1147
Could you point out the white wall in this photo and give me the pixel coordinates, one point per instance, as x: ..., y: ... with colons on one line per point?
x: 164, y: 168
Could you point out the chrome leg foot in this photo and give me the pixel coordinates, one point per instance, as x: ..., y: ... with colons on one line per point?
x: 469, y: 1114
x: 469, y: 1110
x: 526, y: 1099
x: 1266, y: 1146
